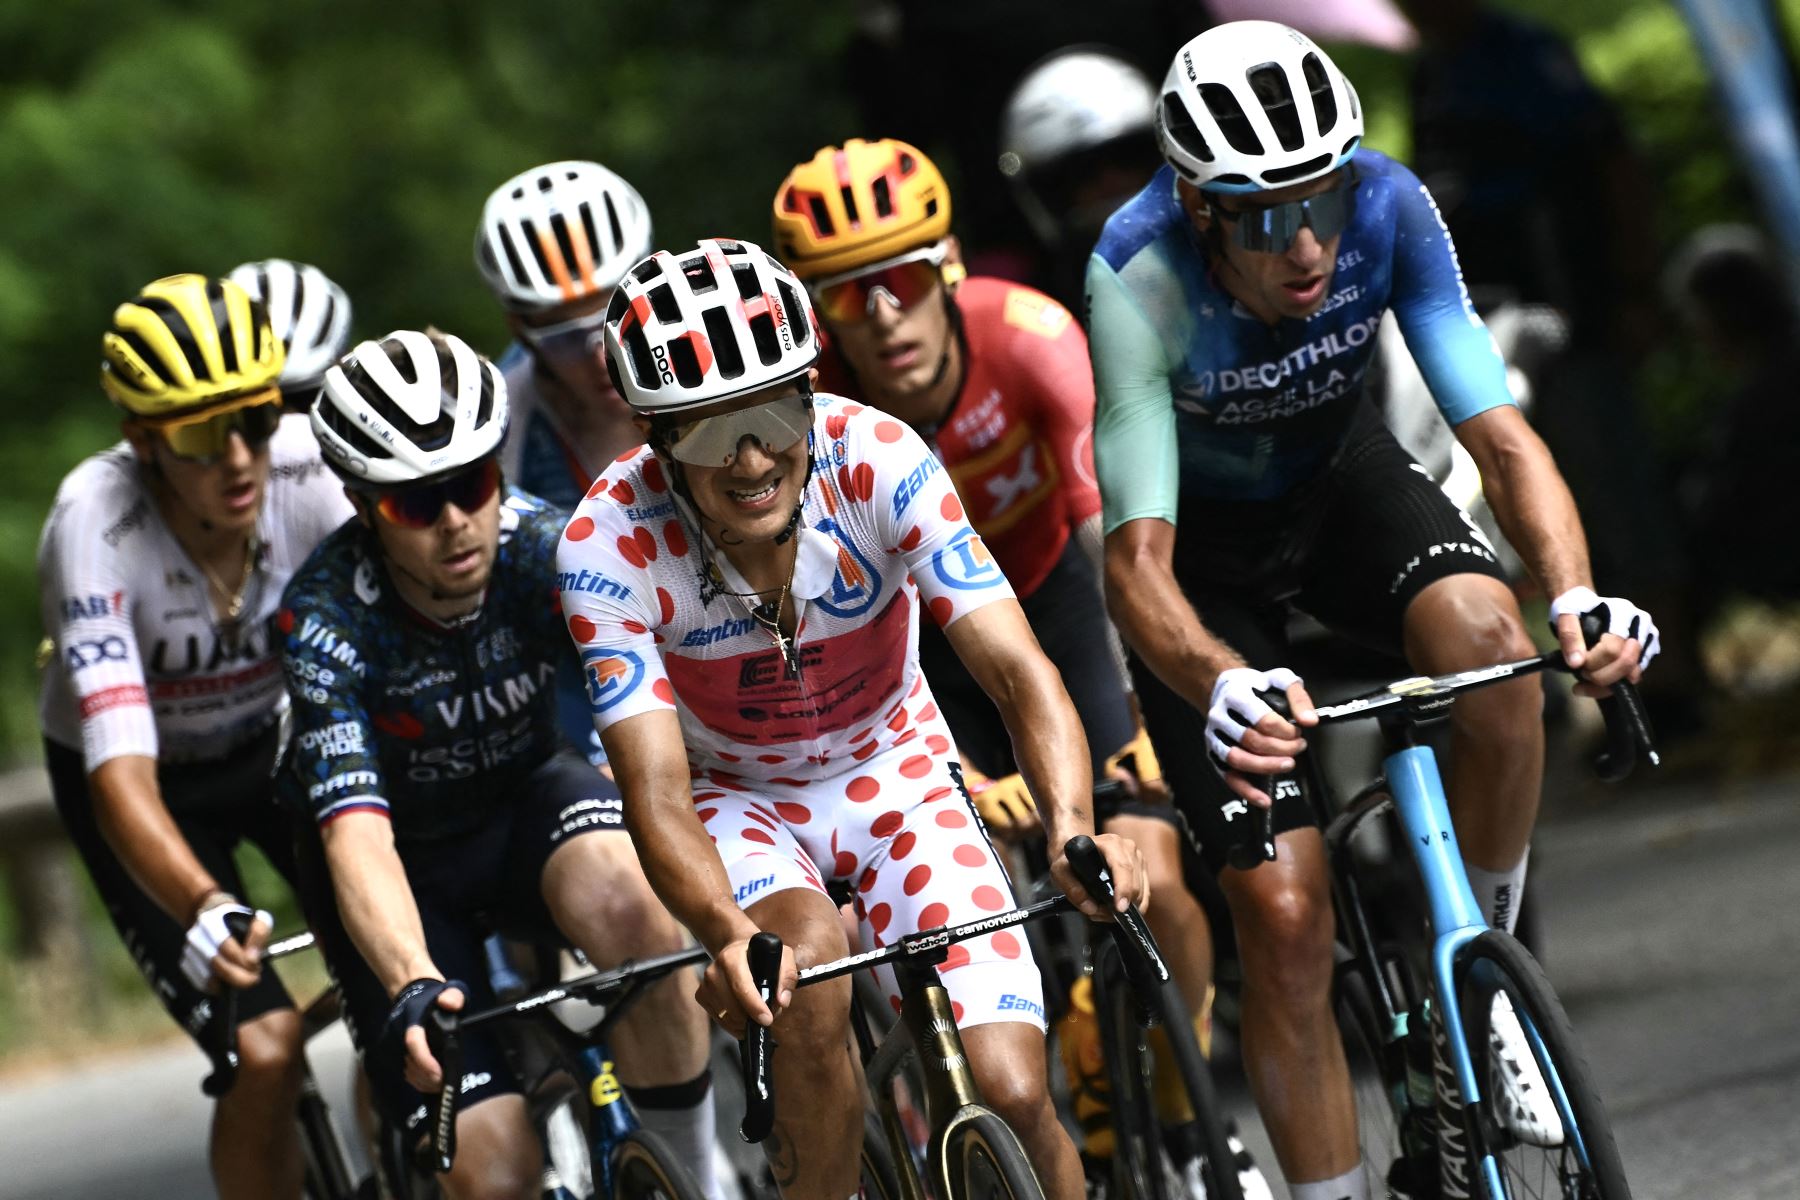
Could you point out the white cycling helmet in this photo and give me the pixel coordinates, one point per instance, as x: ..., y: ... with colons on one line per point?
x: 720, y: 321
x: 1253, y: 105
x: 1073, y: 104
x: 559, y: 232
x: 408, y: 408
x: 309, y: 313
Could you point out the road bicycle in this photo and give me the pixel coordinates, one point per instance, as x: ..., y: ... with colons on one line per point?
x: 1420, y: 1058
x: 969, y: 1151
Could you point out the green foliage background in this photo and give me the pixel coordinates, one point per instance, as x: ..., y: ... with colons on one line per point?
x: 166, y: 135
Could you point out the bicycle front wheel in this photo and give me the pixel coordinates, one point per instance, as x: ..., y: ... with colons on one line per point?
x: 644, y: 1168
x: 984, y: 1161
x: 1570, y: 1156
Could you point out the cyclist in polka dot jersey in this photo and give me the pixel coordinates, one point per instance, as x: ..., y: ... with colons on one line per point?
x: 744, y: 592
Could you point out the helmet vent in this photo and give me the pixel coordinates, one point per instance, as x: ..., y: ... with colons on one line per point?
x: 534, y: 242
x: 643, y: 363
x: 821, y: 215
x: 565, y: 241
x: 151, y: 358
x: 1270, y: 84
x: 849, y: 198
x: 688, y: 371
x: 884, y: 197
x: 1311, y: 166
x: 724, y: 342
x: 664, y: 304
x: 908, y: 164
x: 512, y: 253
x: 484, y: 403
x: 1317, y: 83
x: 347, y: 429
x: 612, y: 221
x: 768, y: 346
x: 747, y: 285
x: 1181, y: 128
x: 793, y: 309
x: 931, y: 207
x: 184, y: 337
x: 1233, y: 122
x: 215, y: 295
x: 649, y: 269
x: 593, y: 234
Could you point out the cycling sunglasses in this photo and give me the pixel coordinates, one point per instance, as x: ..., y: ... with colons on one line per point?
x: 1273, y: 229
x: 849, y: 298
x: 714, y: 441
x: 577, y: 337
x: 419, y: 507
x: 203, y: 436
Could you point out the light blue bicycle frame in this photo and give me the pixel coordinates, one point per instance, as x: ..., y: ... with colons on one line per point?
x: 1456, y: 921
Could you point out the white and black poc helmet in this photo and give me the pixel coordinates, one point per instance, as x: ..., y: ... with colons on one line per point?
x: 1254, y: 105
x: 409, y: 407
x: 722, y: 320
x: 559, y: 232
x: 309, y: 313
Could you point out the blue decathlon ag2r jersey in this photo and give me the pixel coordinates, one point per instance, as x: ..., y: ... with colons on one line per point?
x: 436, y: 726
x: 1199, y: 399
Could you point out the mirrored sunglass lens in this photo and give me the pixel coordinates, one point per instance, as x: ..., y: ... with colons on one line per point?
x: 714, y: 441
x: 420, y: 507
x: 472, y: 489
x: 907, y: 282
x: 1330, y: 212
x: 207, y: 439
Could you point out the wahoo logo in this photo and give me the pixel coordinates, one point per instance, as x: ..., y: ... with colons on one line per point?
x: 967, y: 564
x: 611, y: 676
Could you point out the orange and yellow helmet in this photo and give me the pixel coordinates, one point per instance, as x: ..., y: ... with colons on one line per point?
x: 187, y: 341
x: 858, y: 205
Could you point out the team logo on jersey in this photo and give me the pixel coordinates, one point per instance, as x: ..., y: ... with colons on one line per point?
x: 856, y: 584
x: 611, y: 675
x: 967, y: 563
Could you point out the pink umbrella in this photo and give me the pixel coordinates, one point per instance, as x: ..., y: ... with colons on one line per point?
x: 1374, y: 22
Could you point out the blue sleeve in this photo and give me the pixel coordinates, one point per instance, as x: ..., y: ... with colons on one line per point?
x: 1454, y: 350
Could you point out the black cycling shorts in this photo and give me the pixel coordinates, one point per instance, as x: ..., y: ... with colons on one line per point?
x: 466, y: 888
x: 1068, y: 615
x: 1351, y: 549
x: 216, y: 805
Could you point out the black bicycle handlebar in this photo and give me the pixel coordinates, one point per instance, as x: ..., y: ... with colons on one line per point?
x: 758, y: 1046
x: 224, y: 1050
x: 1144, y: 966
x: 1628, y: 731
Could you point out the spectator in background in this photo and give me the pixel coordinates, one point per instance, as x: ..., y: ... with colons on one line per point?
x: 1075, y: 143
x: 1534, y: 172
x: 1728, y: 286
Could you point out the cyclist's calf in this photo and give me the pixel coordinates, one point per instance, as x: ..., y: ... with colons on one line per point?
x: 254, y: 1134
x: 498, y: 1156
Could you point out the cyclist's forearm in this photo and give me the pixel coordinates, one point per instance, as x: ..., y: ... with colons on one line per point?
x: 684, y: 869
x: 1530, y: 500
x: 376, y: 901
x: 129, y: 809
x: 1155, y: 617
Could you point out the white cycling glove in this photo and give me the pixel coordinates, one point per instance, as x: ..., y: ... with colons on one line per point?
x: 1236, y: 707
x: 1620, y: 616
x: 207, y: 935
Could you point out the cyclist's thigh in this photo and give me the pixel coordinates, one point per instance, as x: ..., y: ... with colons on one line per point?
x: 974, y: 722
x: 155, y: 939
x: 1068, y: 615
x: 454, y: 943
x: 564, y: 799
x: 748, y: 820
x: 1217, y: 818
x: 1391, y: 533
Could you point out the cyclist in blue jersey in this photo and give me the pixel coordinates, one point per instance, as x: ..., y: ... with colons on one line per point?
x: 422, y: 644
x: 1233, y: 307
x: 553, y: 244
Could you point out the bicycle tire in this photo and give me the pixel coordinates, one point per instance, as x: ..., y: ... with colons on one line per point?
x: 1219, y: 1163
x: 1587, y: 1165
x: 984, y: 1161
x: 1377, y: 1072
x: 644, y: 1168
x: 1137, y: 1157
x: 880, y: 1178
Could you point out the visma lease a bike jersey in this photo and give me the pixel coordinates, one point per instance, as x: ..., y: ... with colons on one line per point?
x: 141, y: 663
x: 882, y: 529
x: 435, y: 726
x: 1198, y: 398
x: 1018, y: 441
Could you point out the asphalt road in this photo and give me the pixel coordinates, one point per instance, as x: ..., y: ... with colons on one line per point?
x: 1672, y: 931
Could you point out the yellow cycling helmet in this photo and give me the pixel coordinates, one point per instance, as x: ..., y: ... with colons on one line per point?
x: 858, y: 205
x: 187, y: 341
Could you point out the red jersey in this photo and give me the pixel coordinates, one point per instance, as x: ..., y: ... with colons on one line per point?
x: 1018, y: 440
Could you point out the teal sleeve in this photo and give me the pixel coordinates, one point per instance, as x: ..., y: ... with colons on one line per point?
x: 1135, y: 454
x: 1454, y: 350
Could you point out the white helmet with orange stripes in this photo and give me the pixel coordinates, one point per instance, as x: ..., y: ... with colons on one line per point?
x: 719, y: 321
x: 560, y: 232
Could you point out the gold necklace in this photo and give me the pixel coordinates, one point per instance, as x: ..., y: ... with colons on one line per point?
x: 234, y: 601
x: 786, y: 645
